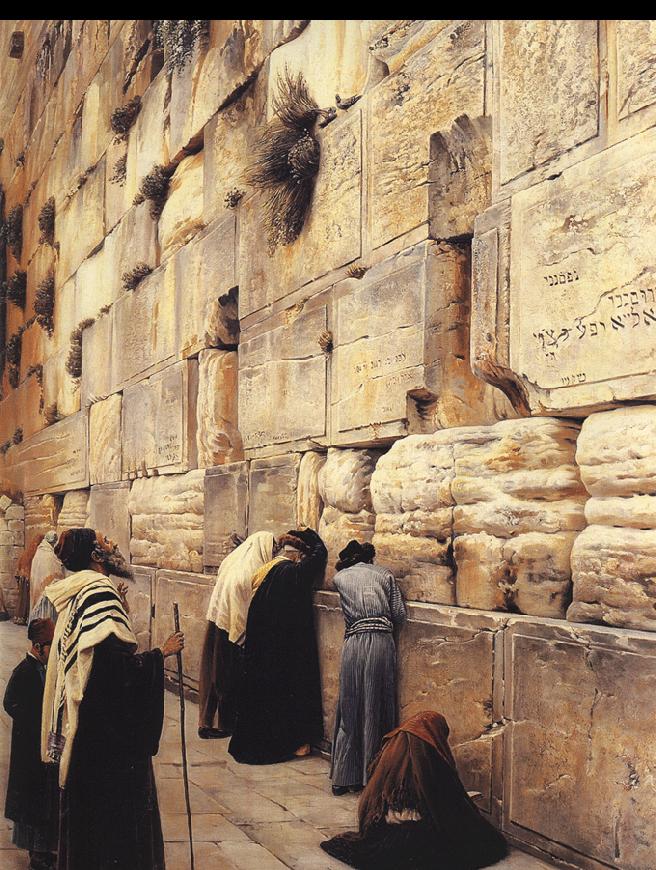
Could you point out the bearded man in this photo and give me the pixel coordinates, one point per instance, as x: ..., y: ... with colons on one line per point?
x: 103, y: 714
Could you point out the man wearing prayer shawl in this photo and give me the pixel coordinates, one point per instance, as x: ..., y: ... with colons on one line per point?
x: 46, y: 567
x: 32, y: 792
x: 414, y: 811
x: 103, y: 711
x: 279, y: 706
x: 222, y: 657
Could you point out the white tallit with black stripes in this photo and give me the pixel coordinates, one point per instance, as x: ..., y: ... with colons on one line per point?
x: 90, y: 610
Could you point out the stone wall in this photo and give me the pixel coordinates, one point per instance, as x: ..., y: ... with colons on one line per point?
x: 440, y: 362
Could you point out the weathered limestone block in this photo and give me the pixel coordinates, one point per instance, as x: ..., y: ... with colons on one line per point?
x: 578, y: 744
x: 20, y: 407
x: 133, y: 241
x: 635, y: 46
x: 158, y: 422
x: 402, y: 346
x: 55, y: 459
x: 344, y: 488
x: 192, y: 594
x: 331, y: 236
x: 393, y: 41
x: 64, y: 320
x: 272, y: 486
x: 167, y: 521
x: 182, y: 216
x: 81, y: 223
x: 590, y: 346
x: 516, y: 480
x: 329, y: 627
x: 204, y: 274
x: 97, y: 360
x: 217, y: 436
x: 547, y: 90
x: 613, y: 562
x: 309, y: 502
x: 447, y: 663
x: 40, y: 515
x: 105, y: 440
x: 444, y: 81
x: 226, y: 510
x: 108, y: 513
x: 141, y: 596
x: 149, y: 139
x: 283, y: 379
x: 59, y: 388
x: 331, y: 55
x: 413, y: 505
x: 74, y: 513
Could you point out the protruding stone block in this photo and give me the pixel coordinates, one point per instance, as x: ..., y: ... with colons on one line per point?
x: 167, y: 521
x: 55, y: 460
x: 182, y: 216
x: 108, y: 513
x: 81, y: 223
x: 74, y: 513
x: 272, y: 487
x: 141, y: 597
x: 105, y: 440
x: 158, y: 426
x: 309, y: 503
x: 226, y: 509
x: 191, y: 592
x: 218, y: 438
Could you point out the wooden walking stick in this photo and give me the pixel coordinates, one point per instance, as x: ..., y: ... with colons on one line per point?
x: 185, y: 778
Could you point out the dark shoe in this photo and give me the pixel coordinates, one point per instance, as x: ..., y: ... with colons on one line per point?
x: 355, y: 789
x: 212, y: 733
x: 339, y: 790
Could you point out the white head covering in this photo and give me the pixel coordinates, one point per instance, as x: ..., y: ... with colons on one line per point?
x: 231, y: 597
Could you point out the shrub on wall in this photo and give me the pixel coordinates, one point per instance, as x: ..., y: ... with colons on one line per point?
x: 44, y: 304
x: 74, y: 359
x: 17, y: 288
x: 47, y: 222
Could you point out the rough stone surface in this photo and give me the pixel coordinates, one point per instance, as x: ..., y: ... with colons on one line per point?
x: 140, y: 599
x: 217, y: 436
x: 545, y: 109
x: 74, y: 513
x: 226, y: 509
x: 309, y: 502
x: 108, y: 513
x: 56, y: 459
x: 192, y: 594
x: 635, y: 45
x: 272, y: 487
x: 182, y: 216
x: 167, y: 521
x: 105, y: 440
x: 158, y: 425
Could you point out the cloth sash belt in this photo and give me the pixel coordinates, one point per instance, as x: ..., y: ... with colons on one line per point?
x: 369, y: 623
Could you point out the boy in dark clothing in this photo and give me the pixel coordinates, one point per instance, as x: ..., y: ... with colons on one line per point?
x: 32, y: 792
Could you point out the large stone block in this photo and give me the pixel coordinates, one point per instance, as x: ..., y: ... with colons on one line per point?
x: 547, y: 90
x: 217, y: 436
x: 182, y: 216
x: 191, y: 592
x: 329, y: 627
x: 80, y: 223
x: 226, y: 510
x: 40, y: 515
x: 105, y: 440
x: 636, y: 84
x: 413, y: 505
x: 108, y: 513
x: 167, y: 521
x: 309, y: 502
x: 54, y: 460
x: 158, y: 422
x: 96, y: 381
x: 141, y: 597
x: 149, y: 140
x: 58, y: 387
x: 330, y: 237
x: 272, y: 487
x: 21, y: 407
x: 74, y: 513
x: 578, y: 747
x: 436, y: 86
x: 133, y: 241
x: 283, y: 379
x: 579, y: 242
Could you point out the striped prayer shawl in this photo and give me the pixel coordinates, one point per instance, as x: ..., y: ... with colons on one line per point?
x: 90, y: 610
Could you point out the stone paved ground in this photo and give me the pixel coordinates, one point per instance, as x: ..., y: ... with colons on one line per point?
x: 244, y: 817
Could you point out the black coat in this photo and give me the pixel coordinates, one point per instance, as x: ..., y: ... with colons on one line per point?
x: 30, y: 781
x: 279, y: 707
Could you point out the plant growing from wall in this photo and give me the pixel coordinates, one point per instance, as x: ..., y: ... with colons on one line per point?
x: 18, y: 435
x: 124, y: 117
x: 47, y: 222
x: 14, y: 230
x: 178, y: 39
x: 74, y: 359
x: 44, y: 304
x: 134, y: 277
x: 37, y: 371
x: 51, y: 414
x: 16, y: 289
x: 287, y: 158
x: 120, y: 170
x: 13, y: 351
x: 233, y: 197
x: 154, y: 187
